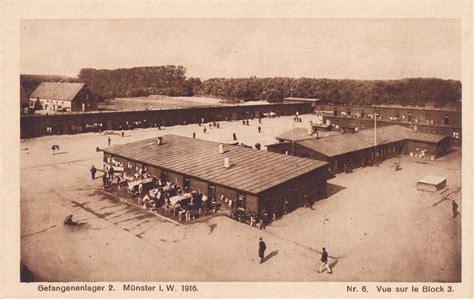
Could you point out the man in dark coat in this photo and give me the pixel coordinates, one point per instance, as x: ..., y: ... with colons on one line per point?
x: 261, y: 250
x: 104, y: 180
x: 93, y: 171
x: 455, y: 208
x: 324, y: 262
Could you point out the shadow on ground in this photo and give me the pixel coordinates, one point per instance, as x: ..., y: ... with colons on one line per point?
x: 270, y: 255
x: 333, y: 189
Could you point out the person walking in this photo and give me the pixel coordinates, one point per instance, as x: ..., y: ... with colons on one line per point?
x: 109, y: 140
x: 259, y: 129
x: 93, y: 171
x: 194, y: 135
x: 324, y: 262
x: 234, y: 137
x: 261, y: 249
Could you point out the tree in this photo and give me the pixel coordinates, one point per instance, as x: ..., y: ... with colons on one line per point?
x: 38, y: 105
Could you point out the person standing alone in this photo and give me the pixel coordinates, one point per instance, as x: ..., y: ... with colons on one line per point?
x: 324, y: 262
x: 93, y: 171
x: 455, y: 208
x: 261, y: 249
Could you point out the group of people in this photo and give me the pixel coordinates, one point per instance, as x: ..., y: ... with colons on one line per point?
x: 159, y: 195
x: 213, y: 124
x: 190, y: 205
x: 253, y: 219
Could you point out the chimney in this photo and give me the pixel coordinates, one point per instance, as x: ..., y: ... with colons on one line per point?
x: 221, y: 148
x: 310, y: 128
x: 227, y: 162
x: 160, y: 140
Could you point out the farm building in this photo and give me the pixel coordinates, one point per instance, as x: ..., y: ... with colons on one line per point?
x: 64, y: 97
x: 241, y: 178
x: 359, y: 149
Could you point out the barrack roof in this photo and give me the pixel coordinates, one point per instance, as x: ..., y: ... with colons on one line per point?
x: 251, y: 170
x: 364, y: 139
x: 57, y: 91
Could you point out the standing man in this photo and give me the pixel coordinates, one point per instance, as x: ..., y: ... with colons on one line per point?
x: 259, y: 129
x: 455, y: 208
x: 93, y: 171
x: 104, y: 180
x: 194, y: 135
x: 234, y: 136
x: 324, y: 262
x: 261, y: 250
x: 109, y: 140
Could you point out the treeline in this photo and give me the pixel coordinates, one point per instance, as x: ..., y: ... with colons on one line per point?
x: 415, y: 91
x: 171, y: 80
x: 139, y: 81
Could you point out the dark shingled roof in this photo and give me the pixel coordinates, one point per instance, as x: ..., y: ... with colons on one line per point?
x: 293, y: 99
x: 299, y: 134
x: 302, y: 134
x: 57, y: 91
x: 251, y: 170
x: 364, y: 139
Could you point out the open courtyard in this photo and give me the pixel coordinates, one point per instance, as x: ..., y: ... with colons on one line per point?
x: 374, y: 223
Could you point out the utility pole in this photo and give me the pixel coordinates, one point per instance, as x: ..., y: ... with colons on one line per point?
x: 375, y: 137
x: 293, y: 135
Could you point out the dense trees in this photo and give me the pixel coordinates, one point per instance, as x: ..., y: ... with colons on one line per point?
x: 171, y: 80
x: 415, y: 91
x: 139, y: 81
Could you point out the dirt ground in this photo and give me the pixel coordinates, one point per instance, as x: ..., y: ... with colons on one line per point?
x: 375, y: 225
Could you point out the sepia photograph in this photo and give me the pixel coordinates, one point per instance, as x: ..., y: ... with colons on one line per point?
x: 227, y: 150
x: 236, y: 149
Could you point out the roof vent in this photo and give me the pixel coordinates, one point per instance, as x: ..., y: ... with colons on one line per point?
x: 221, y: 148
x: 227, y: 162
x: 159, y: 140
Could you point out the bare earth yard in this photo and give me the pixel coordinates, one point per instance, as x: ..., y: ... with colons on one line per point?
x: 374, y: 223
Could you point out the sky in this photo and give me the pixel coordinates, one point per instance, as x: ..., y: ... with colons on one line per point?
x: 370, y: 49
